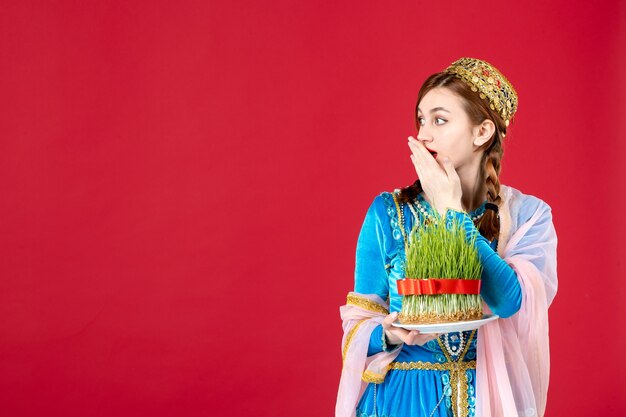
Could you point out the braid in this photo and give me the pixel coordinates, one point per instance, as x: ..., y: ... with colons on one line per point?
x: 489, y: 224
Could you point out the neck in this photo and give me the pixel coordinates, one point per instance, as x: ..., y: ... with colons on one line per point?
x: 473, y: 186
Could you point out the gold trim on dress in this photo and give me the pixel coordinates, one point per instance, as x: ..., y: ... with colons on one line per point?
x: 455, y: 210
x: 401, y: 222
x: 349, y: 338
x: 366, y: 303
x: 369, y: 376
x: 460, y: 358
x: 457, y: 377
x: 428, y: 366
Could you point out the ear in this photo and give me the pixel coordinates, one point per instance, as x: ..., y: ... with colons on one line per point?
x: 483, y: 132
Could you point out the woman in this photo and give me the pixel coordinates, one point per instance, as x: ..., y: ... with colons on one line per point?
x: 501, y: 369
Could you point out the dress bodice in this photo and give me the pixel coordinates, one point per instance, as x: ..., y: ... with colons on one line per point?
x: 397, y: 256
x: 419, y: 211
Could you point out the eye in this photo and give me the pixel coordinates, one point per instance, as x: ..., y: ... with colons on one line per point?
x: 420, y: 121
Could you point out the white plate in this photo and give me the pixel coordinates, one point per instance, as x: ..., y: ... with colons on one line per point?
x: 457, y: 326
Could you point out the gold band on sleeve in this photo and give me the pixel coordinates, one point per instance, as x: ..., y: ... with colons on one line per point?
x: 366, y: 304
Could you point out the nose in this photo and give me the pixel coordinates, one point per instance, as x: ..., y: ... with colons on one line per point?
x: 422, y: 138
x: 423, y: 134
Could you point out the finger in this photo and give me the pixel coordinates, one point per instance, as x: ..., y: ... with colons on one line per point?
x: 418, y: 167
x: 399, y: 332
x: 425, y: 338
x: 420, y: 339
x: 449, y: 167
x: 422, y: 159
x: 420, y: 149
x: 418, y: 145
x: 411, y: 337
x: 389, y: 319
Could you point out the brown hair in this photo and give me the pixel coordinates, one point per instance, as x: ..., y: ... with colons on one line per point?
x: 478, y: 110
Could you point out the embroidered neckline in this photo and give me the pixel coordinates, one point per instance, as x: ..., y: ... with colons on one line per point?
x: 476, y: 212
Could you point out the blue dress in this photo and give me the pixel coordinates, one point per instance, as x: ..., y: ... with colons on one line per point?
x: 438, y: 378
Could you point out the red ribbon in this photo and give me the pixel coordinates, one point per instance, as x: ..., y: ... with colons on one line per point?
x: 411, y: 286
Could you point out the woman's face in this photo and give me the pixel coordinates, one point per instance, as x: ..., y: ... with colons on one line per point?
x: 445, y: 128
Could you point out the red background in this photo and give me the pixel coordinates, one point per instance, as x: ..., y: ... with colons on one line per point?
x: 183, y: 183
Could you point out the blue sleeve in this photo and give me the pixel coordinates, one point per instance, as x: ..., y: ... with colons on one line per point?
x: 500, y: 287
x: 377, y: 344
x: 370, y: 275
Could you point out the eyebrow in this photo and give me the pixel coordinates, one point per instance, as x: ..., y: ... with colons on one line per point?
x: 435, y: 109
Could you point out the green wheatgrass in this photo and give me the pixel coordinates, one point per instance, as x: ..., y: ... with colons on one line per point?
x: 439, y: 251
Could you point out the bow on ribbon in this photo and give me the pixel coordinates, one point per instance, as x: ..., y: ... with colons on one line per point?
x: 431, y: 286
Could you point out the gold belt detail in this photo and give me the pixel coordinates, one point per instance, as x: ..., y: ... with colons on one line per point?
x: 458, y: 378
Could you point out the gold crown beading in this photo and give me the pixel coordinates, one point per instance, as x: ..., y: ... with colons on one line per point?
x: 486, y: 80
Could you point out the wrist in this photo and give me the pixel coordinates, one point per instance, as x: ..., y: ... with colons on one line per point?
x: 389, y: 342
x: 453, y: 205
x: 465, y: 219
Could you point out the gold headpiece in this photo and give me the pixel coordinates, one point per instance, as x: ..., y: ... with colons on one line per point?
x: 484, y: 78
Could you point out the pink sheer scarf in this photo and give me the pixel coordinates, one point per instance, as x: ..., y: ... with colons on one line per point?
x: 360, y: 315
x: 513, y: 355
x: 513, y: 358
